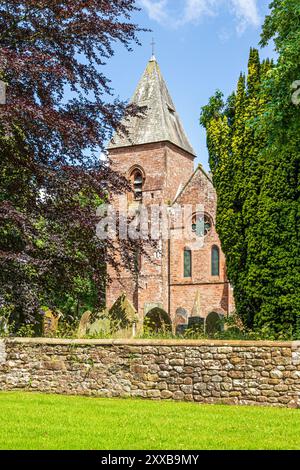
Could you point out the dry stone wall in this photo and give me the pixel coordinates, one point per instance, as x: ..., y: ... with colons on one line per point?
x: 253, y: 373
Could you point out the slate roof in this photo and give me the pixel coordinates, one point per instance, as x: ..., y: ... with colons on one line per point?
x: 160, y: 122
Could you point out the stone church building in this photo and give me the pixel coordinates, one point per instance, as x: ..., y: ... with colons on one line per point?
x: 155, y: 155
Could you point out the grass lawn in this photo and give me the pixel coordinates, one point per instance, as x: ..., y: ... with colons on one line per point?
x: 36, y: 421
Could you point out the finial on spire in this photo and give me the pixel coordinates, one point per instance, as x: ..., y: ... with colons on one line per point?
x: 153, y: 49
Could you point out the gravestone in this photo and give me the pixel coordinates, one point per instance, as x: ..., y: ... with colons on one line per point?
x: 196, y: 310
x: 151, y: 305
x: 83, y: 324
x: 181, y: 316
x: 4, y: 325
x: 181, y: 329
x: 214, y: 323
x: 181, y: 319
x: 158, y: 320
x: 101, y: 325
x: 122, y: 314
x: 196, y: 324
x: 50, y: 323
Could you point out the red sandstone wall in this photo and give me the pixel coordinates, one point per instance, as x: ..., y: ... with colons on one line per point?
x: 214, y: 298
x: 215, y: 293
x: 166, y: 167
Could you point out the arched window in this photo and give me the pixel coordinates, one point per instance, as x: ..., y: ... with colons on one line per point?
x: 137, y: 183
x: 187, y: 263
x: 215, y: 261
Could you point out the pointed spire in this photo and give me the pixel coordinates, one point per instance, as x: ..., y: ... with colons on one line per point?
x: 161, y: 122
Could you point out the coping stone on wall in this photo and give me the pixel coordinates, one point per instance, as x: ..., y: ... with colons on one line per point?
x: 156, y: 342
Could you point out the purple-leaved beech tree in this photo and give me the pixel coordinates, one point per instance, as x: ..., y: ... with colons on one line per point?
x: 52, y: 179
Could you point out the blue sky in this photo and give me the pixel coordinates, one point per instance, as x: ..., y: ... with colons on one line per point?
x: 201, y: 46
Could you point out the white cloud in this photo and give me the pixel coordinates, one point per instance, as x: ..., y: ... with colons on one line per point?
x: 245, y: 12
x: 156, y: 9
x: 196, y: 9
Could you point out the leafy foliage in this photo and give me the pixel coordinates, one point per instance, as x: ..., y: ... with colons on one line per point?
x: 254, y: 147
x: 52, y: 180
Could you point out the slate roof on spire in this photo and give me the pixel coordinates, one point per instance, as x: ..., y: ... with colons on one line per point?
x: 160, y: 122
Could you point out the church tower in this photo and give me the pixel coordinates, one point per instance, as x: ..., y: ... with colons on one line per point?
x: 179, y: 279
x: 157, y: 157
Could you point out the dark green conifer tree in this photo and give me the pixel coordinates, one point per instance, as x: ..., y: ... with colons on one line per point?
x: 256, y: 176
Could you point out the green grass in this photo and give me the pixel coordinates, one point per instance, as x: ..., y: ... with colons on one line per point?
x: 36, y: 421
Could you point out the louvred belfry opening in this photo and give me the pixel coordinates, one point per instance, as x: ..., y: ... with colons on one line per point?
x: 137, y: 178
